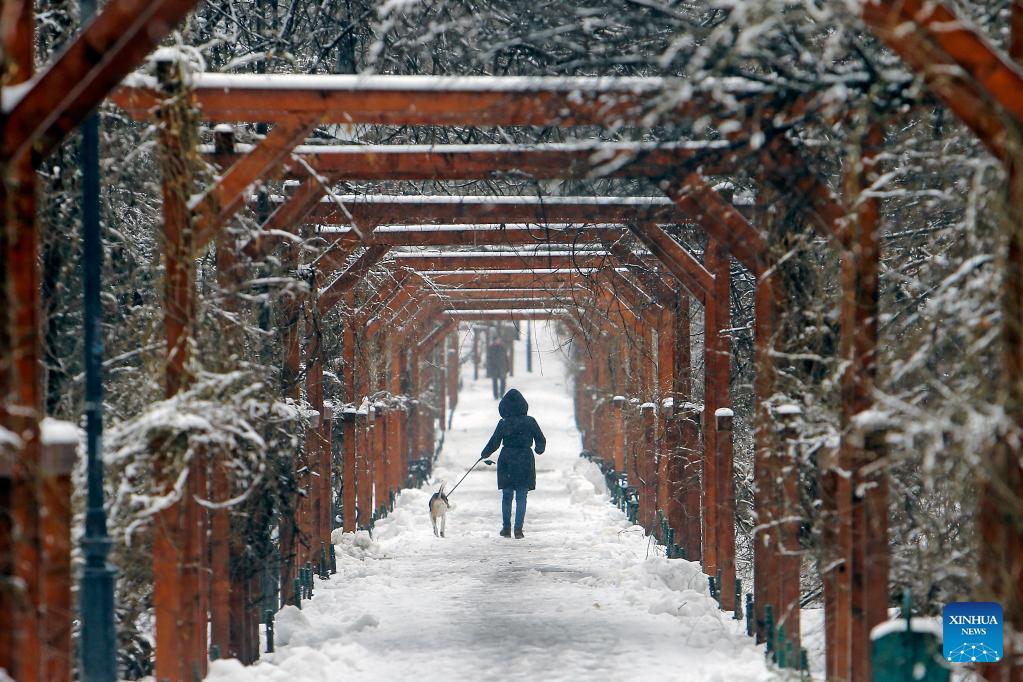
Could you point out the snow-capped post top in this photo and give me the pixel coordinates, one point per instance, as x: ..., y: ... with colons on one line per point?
x: 870, y: 430
x: 724, y: 418
x: 60, y: 446
x: 648, y: 407
x: 314, y: 418
x: 9, y: 445
x: 618, y: 400
x: 787, y: 415
x: 223, y: 139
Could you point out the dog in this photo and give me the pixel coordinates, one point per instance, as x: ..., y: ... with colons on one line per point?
x: 439, y: 506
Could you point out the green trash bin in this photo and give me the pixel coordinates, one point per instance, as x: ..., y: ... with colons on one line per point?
x: 907, y: 649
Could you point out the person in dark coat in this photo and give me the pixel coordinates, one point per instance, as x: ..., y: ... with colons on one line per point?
x: 517, y: 434
x: 497, y: 365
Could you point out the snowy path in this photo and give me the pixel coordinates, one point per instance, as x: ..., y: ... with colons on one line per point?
x: 576, y: 598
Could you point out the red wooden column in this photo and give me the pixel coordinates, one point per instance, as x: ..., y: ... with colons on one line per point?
x: 452, y: 369
x: 22, y: 609
x: 314, y: 528
x: 394, y: 439
x: 416, y: 407
x: 715, y: 385
x: 222, y: 585
x: 59, y: 455
x: 440, y: 379
x: 326, y: 520
x: 292, y: 515
x: 866, y: 546
x: 665, y: 395
x: 690, y: 490
x: 717, y: 404
x: 364, y: 477
x: 787, y: 525
x: 376, y: 457
x: 349, y: 431
x: 647, y: 467
x: 765, y: 547
x: 618, y: 422
x: 177, y: 655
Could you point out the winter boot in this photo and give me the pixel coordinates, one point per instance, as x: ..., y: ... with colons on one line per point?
x: 518, y: 534
x: 506, y: 532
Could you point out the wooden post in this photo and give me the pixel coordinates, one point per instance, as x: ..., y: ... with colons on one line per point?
x: 475, y: 353
x: 440, y: 374
x: 59, y: 455
x: 317, y: 457
x: 349, y: 431
x: 222, y: 583
x: 173, y: 609
x: 690, y: 461
x: 665, y: 393
x: 865, y: 545
x: 364, y: 480
x: 765, y: 571
x: 22, y: 588
x: 647, y: 467
x: 715, y: 395
x: 718, y: 262
x: 348, y: 468
x: 787, y: 524
x: 291, y: 514
x: 618, y: 419
x: 452, y: 369
x: 377, y: 470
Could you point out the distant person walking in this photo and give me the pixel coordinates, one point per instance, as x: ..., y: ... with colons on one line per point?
x: 516, y: 434
x: 497, y: 365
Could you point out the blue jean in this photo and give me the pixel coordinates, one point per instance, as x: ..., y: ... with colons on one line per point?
x: 520, y: 506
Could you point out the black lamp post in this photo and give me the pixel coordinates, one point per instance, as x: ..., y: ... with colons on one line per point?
x: 98, y: 642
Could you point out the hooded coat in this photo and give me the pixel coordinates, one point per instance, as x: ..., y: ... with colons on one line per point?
x: 516, y: 434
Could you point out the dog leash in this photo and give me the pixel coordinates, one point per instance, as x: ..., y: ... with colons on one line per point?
x: 489, y: 463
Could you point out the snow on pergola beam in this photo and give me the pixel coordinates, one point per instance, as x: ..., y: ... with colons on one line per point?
x: 520, y: 293
x: 504, y: 304
x: 474, y: 162
x: 477, y: 235
x: 439, y: 100
x: 507, y: 315
x: 501, y: 261
x: 521, y: 279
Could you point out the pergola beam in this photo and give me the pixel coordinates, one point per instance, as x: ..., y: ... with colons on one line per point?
x: 675, y: 258
x: 506, y: 315
x: 720, y: 219
x: 378, y: 209
x: 473, y: 162
x: 978, y: 83
x: 333, y: 292
x: 487, y: 280
x: 95, y: 61
x: 497, y: 261
x: 264, y: 162
x: 477, y: 235
x: 428, y: 100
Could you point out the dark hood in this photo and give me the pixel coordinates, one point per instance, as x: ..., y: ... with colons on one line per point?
x: 513, y: 405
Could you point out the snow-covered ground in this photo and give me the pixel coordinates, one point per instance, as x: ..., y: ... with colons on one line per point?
x: 583, y: 596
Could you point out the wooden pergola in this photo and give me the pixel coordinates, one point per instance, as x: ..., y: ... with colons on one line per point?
x: 362, y: 234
